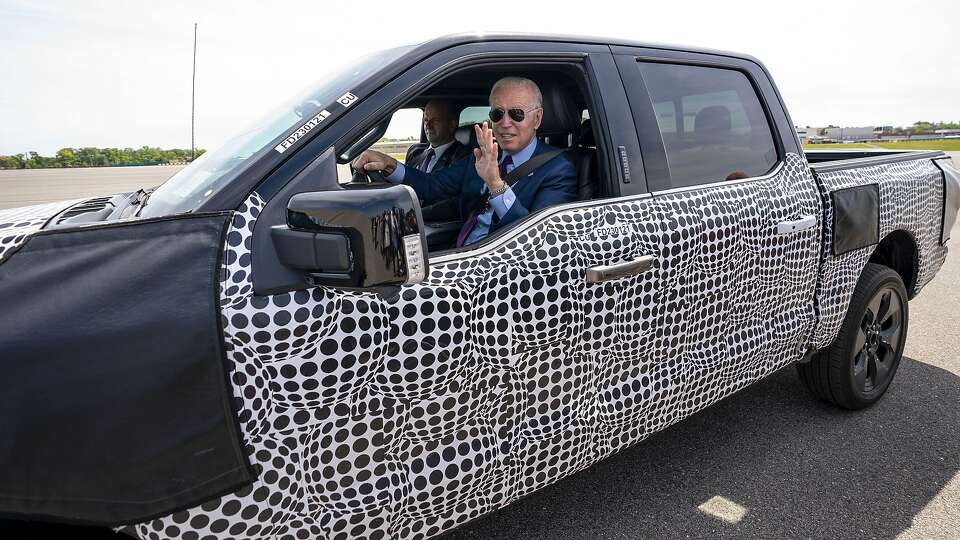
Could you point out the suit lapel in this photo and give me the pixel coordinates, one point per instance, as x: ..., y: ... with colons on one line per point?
x: 447, y: 157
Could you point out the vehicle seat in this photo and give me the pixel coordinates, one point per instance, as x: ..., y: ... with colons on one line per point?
x: 561, y: 117
x: 561, y: 128
x: 467, y: 136
x: 712, y: 125
x: 707, y: 156
x: 583, y: 154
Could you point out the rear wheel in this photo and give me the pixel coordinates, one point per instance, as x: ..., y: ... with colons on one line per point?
x: 856, y: 370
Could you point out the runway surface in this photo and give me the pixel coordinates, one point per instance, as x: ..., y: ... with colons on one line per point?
x: 24, y: 187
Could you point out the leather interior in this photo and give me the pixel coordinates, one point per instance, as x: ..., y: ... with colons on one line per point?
x: 466, y: 135
x: 561, y: 116
x: 583, y: 154
x: 711, y: 125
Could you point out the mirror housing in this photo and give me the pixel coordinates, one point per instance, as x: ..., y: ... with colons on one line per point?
x: 363, y: 237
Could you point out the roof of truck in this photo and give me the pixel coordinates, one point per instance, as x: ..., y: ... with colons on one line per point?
x: 450, y: 40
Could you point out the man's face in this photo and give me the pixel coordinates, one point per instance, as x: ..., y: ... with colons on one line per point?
x: 513, y: 136
x: 439, y: 122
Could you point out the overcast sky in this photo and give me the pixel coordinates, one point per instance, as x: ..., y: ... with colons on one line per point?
x: 118, y: 73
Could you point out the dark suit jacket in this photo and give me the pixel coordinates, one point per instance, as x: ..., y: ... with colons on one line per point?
x: 554, y: 182
x: 417, y: 152
x: 448, y: 209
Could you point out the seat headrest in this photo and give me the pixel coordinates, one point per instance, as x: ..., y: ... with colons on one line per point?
x: 585, y: 136
x: 712, y: 124
x: 560, y: 113
x: 466, y: 135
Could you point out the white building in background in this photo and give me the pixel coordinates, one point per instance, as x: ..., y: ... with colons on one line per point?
x: 851, y: 133
x: 836, y: 134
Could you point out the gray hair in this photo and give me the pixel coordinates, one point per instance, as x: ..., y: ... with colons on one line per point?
x: 519, y: 81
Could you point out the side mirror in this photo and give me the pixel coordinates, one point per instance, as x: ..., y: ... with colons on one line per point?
x: 361, y: 237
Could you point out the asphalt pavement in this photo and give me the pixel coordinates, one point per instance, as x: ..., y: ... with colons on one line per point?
x: 781, y: 463
x: 26, y: 187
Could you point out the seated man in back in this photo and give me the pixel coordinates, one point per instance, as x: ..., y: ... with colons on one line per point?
x: 487, y: 202
x: 440, y: 150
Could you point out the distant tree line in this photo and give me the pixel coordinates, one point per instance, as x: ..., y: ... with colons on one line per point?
x: 929, y: 127
x: 918, y: 128
x: 97, y: 157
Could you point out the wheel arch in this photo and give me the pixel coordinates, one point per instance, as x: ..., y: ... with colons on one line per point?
x: 898, y: 251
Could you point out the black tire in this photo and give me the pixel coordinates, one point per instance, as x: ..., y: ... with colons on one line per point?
x: 858, y: 367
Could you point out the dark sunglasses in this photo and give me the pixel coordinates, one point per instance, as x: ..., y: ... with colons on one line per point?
x: 517, y: 115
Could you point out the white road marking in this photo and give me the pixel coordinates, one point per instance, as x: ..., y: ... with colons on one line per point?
x: 724, y: 509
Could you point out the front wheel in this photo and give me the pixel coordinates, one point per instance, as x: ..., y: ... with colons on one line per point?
x: 856, y: 370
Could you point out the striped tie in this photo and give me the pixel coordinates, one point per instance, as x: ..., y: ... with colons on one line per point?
x: 426, y: 160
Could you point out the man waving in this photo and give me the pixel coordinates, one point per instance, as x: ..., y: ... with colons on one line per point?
x: 487, y: 201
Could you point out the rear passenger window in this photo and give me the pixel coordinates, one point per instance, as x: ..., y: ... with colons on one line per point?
x: 711, y: 122
x: 474, y: 115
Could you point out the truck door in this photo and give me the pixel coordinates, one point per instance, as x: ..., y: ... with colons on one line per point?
x: 741, y: 212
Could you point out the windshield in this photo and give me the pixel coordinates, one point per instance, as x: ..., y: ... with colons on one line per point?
x: 190, y: 187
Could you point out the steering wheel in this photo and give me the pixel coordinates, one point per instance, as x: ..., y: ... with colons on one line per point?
x: 368, y: 177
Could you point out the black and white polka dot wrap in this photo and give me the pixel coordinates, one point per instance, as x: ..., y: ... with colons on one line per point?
x: 911, y: 200
x: 504, y: 371
x: 17, y: 224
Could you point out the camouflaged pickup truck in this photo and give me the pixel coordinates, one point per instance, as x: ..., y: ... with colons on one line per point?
x: 271, y: 346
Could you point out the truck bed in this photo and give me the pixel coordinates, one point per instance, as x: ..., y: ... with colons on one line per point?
x: 908, y: 207
x: 861, y: 157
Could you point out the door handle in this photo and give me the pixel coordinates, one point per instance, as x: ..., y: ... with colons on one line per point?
x: 606, y: 272
x: 802, y: 224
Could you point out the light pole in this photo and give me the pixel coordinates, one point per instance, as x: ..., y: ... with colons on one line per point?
x: 193, y: 96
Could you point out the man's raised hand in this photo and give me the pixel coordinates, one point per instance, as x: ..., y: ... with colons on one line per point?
x: 486, y: 154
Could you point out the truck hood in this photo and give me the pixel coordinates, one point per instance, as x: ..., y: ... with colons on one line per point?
x: 17, y: 225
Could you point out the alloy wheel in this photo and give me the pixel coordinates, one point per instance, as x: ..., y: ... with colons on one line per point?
x: 878, y: 340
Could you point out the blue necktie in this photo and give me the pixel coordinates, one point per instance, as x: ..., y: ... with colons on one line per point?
x: 426, y: 160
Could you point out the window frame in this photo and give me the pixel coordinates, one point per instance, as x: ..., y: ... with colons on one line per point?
x: 578, y: 57
x: 486, y: 109
x: 651, y: 143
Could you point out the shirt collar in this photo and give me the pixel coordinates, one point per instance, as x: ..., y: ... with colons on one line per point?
x: 523, y: 155
x: 438, y: 151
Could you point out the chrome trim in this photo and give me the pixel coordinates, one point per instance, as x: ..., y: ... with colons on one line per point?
x: 608, y: 272
x: 802, y: 224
